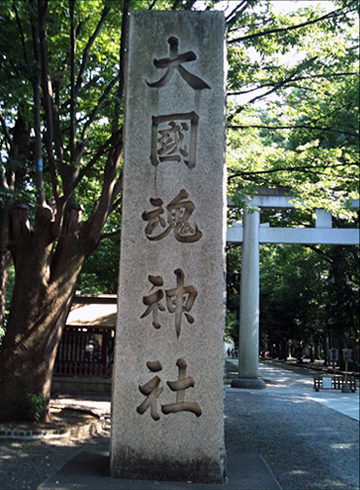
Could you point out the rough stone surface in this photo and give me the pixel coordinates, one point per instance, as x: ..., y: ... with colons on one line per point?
x: 158, y: 252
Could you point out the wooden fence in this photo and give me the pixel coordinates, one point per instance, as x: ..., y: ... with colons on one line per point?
x: 82, y: 369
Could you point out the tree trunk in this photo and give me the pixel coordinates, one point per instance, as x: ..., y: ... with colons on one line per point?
x: 4, y: 262
x: 27, y: 359
x: 29, y: 349
x: 44, y: 287
x: 325, y: 346
x: 312, y: 357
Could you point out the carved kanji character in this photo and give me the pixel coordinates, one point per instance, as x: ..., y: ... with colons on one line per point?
x: 180, y: 300
x: 152, y: 301
x: 174, y: 138
x: 155, y: 220
x: 174, y: 62
x: 152, y: 391
x: 179, y: 212
x: 182, y: 384
x: 172, y: 142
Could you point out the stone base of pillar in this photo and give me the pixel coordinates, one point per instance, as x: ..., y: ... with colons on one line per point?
x: 248, y: 383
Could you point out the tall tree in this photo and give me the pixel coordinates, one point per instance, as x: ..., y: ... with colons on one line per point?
x: 60, y: 47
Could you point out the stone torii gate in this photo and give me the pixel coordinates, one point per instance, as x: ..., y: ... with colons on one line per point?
x: 251, y: 233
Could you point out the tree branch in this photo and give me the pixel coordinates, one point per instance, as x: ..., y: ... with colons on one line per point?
x: 175, y: 4
x: 302, y: 126
x: 280, y: 84
x: 47, y: 95
x: 116, y: 204
x: 303, y: 168
x: 104, y: 236
x: 73, y: 94
x: 329, y: 15
x: 5, y: 130
x: 87, y: 49
x: 231, y: 18
x: 120, y: 90
x: 36, y: 84
x: 296, y: 79
x: 101, y: 100
x: 152, y: 5
x: 92, y: 228
x: 21, y: 34
x: 331, y: 113
x: 189, y: 4
x: 110, y: 144
x: 61, y: 75
x: 323, y: 254
x: 117, y: 189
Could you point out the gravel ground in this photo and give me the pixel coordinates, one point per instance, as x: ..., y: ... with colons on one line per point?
x: 306, y: 445
x: 26, y: 464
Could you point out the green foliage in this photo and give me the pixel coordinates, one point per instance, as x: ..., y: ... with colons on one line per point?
x: 232, y: 327
x: 35, y: 404
x: 100, y: 272
x: 306, y: 138
x: 308, y: 294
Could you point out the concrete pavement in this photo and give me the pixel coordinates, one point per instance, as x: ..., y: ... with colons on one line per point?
x: 292, y: 382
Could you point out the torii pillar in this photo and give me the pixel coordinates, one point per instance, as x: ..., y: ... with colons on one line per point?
x: 249, y: 306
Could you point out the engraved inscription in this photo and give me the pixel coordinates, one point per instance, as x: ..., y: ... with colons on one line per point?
x: 174, y: 62
x: 178, y: 215
x: 182, y: 384
x: 179, y: 300
x: 173, y: 138
x: 152, y: 391
x: 152, y: 301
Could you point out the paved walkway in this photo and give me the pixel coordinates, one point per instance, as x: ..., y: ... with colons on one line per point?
x: 299, y: 381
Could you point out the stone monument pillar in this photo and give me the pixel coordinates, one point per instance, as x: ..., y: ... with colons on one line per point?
x: 249, y: 306
x: 168, y: 374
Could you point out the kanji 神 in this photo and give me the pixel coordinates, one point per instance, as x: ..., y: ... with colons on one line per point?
x: 174, y: 138
x: 178, y: 214
x: 179, y: 300
x: 174, y: 62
